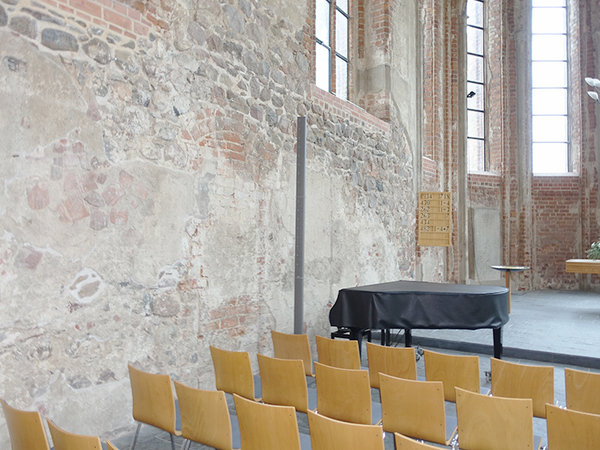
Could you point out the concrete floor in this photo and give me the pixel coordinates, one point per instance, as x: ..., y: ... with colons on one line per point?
x: 546, y: 327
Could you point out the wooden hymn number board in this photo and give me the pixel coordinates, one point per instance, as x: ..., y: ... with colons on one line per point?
x: 435, y: 219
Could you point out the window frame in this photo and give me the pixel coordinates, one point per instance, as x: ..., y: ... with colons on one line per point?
x: 569, y: 166
x: 333, y: 48
x: 469, y: 53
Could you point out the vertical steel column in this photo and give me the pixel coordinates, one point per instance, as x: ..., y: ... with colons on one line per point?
x: 300, y: 207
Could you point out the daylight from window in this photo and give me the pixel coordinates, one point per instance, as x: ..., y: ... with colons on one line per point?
x: 549, y: 87
x: 331, y: 47
x: 476, y: 156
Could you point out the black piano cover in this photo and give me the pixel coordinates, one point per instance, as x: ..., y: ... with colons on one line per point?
x: 419, y: 304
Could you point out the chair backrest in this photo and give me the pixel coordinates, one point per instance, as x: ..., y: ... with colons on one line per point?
x: 25, y: 428
x: 266, y: 427
x: 283, y: 382
x: 406, y: 443
x: 568, y: 430
x: 110, y: 446
x: 338, y: 353
x: 453, y: 371
x: 399, y: 362
x: 493, y: 423
x: 63, y: 440
x: 204, y: 416
x: 414, y: 408
x: 233, y: 372
x: 330, y: 434
x: 343, y: 394
x: 524, y: 381
x: 582, y: 390
x: 153, y: 400
x: 293, y: 346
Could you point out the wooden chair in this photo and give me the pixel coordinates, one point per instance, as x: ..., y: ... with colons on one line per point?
x: 568, y: 430
x: 233, y: 372
x: 153, y: 402
x: 398, y: 362
x: 110, y: 446
x: 283, y: 382
x: 25, y: 428
x: 343, y: 394
x: 63, y: 440
x: 582, y: 390
x: 330, y: 434
x: 453, y: 371
x: 342, y: 354
x: 524, y: 381
x: 204, y: 417
x: 293, y: 346
x: 493, y: 423
x: 266, y: 427
x: 406, y: 443
x: 414, y: 408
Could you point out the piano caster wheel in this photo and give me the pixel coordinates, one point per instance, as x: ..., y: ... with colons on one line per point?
x: 488, y: 376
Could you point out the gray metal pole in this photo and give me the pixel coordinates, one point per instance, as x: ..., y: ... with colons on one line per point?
x: 300, y: 207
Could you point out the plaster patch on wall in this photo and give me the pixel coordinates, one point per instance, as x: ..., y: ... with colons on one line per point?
x: 86, y: 286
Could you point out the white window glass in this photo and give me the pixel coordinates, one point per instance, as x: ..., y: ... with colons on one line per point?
x: 322, y: 21
x: 549, y: 47
x: 341, y: 34
x: 549, y: 74
x: 476, y: 156
x: 536, y: 3
x: 549, y: 20
x: 476, y: 121
x: 549, y: 101
x: 475, y: 150
x: 343, y: 5
x: 550, y: 129
x: 322, y: 76
x: 550, y: 158
x: 475, y: 14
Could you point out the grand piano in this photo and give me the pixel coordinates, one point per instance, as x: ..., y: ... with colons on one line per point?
x: 410, y: 305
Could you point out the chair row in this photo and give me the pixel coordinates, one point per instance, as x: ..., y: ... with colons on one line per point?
x: 26, y: 431
x: 411, y: 409
x: 508, y: 379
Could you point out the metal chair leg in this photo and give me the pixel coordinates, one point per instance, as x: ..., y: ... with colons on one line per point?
x: 135, y: 436
x: 172, y: 442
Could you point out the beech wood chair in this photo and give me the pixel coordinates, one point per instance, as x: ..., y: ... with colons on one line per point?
x: 414, y: 408
x: 569, y: 430
x: 153, y: 402
x: 63, y: 440
x: 582, y: 390
x: 344, y: 394
x: 405, y: 443
x: 453, y: 371
x: 293, y: 346
x: 283, y: 382
x: 110, y: 446
x: 266, y: 427
x: 233, y: 372
x: 331, y: 434
x: 336, y: 353
x: 493, y: 423
x: 204, y: 417
x: 524, y: 381
x: 400, y: 362
x: 25, y: 428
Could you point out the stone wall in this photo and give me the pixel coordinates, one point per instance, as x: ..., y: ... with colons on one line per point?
x: 147, y: 205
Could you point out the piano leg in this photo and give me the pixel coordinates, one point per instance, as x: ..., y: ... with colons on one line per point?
x: 407, y: 337
x: 497, y: 342
x: 357, y: 334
